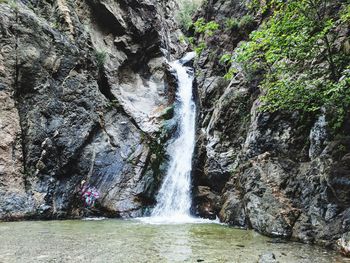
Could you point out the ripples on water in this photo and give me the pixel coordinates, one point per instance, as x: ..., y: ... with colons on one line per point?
x: 136, y: 241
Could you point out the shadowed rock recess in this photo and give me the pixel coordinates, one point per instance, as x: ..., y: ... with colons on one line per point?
x: 281, y: 174
x: 84, y: 91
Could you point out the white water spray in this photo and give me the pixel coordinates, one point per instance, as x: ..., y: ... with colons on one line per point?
x: 174, y: 197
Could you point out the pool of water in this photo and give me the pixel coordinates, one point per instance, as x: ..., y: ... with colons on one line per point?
x: 135, y: 241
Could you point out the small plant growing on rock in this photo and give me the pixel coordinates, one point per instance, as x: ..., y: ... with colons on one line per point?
x: 246, y: 22
x: 101, y: 57
x: 200, y: 47
x: 201, y: 27
x: 187, y: 10
x: 232, y: 24
x: 113, y: 104
x: 226, y: 60
x: 12, y: 3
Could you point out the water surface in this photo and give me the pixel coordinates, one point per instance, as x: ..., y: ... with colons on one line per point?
x: 134, y: 241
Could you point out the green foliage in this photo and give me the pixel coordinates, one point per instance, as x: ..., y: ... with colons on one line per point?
x: 230, y: 73
x: 201, y: 27
x: 187, y: 10
x: 227, y: 61
x: 345, y: 14
x: 191, y: 40
x: 12, y: 3
x: 246, y: 22
x: 337, y: 98
x: 183, y: 39
x: 258, y: 6
x: 101, y: 57
x: 200, y: 47
x: 232, y: 24
x: 253, y: 5
x: 296, y: 51
x: 113, y: 104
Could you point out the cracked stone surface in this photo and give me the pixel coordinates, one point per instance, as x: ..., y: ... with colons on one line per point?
x: 281, y: 174
x: 83, y: 88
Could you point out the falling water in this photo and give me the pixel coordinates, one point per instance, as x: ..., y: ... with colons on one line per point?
x: 174, y: 200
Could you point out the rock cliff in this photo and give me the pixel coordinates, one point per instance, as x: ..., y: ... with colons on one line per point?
x: 84, y: 90
x: 282, y: 174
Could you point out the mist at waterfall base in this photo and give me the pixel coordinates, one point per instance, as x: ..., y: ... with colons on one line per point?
x: 174, y: 197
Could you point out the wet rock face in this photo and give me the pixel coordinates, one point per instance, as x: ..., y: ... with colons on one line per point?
x: 281, y: 174
x: 83, y: 89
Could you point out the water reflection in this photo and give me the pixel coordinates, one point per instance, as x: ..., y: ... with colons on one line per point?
x: 134, y: 241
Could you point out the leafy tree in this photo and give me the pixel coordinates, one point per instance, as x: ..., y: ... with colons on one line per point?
x: 299, y: 52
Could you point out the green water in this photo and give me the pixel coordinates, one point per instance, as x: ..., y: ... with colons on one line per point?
x: 133, y: 241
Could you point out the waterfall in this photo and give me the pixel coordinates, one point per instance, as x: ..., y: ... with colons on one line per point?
x: 174, y: 197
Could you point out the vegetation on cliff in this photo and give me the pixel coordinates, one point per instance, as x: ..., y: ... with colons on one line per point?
x: 300, y: 52
x: 303, y: 52
x: 186, y: 11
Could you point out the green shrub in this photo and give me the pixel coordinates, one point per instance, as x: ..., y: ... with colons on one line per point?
x: 206, y: 28
x: 226, y: 60
x: 12, y: 3
x: 246, y: 22
x: 202, y: 29
x: 345, y: 13
x: 200, y: 47
x: 302, y: 68
x: 232, y: 24
x: 101, y: 57
x: 186, y: 12
x: 258, y: 6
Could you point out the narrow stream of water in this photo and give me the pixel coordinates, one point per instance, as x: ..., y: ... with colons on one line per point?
x: 174, y: 197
